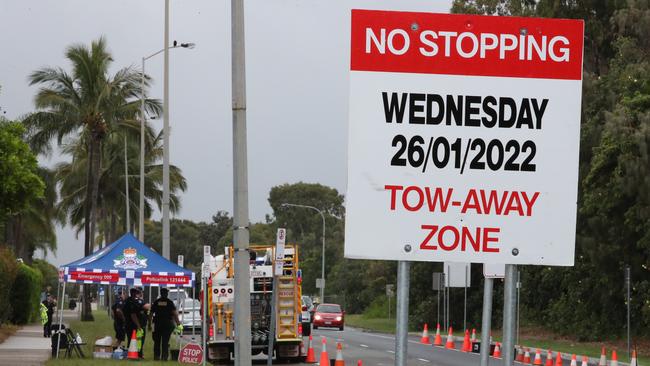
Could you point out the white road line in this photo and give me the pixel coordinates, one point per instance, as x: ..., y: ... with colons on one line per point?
x: 423, y: 360
x: 363, y: 345
x: 389, y: 351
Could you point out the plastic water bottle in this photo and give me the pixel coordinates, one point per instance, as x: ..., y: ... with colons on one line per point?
x: 78, y: 339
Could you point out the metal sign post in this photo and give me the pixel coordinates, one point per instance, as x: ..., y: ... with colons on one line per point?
x: 628, y: 279
x: 509, y: 310
x: 401, y: 340
x: 205, y: 274
x: 390, y: 292
x: 487, y: 321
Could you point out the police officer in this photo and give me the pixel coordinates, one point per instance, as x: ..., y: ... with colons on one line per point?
x: 163, y: 311
x: 48, y: 305
x: 119, y: 320
x: 132, y: 310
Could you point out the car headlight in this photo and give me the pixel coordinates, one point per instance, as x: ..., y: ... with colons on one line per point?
x: 317, y: 317
x: 338, y: 318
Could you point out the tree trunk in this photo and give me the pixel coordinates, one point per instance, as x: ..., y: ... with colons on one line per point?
x: 113, y: 229
x: 87, y: 205
x: 92, y: 187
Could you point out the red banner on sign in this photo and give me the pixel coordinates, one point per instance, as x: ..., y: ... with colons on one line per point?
x: 95, y: 277
x: 455, y: 44
x: 165, y: 279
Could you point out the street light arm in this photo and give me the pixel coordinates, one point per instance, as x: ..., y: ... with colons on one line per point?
x: 182, y: 45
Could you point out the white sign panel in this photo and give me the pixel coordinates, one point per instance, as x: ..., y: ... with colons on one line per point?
x: 494, y: 270
x: 223, y: 290
x: 279, y: 250
x: 463, y: 138
x: 457, y: 274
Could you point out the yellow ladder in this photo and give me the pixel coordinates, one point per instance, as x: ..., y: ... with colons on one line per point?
x: 288, y: 293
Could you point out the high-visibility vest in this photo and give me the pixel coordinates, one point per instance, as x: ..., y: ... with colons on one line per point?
x: 44, y: 316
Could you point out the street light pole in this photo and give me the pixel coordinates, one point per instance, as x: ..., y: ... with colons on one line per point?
x: 165, y: 197
x: 322, y: 289
x: 142, y: 125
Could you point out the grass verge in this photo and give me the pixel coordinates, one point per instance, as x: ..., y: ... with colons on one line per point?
x: 530, y: 337
x: 101, y: 327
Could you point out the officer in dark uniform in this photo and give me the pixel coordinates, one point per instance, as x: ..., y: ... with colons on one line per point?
x: 132, y: 309
x: 50, y: 304
x: 164, y: 313
x: 143, y: 316
x: 119, y: 320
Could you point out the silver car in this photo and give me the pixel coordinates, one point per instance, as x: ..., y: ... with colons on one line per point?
x: 189, y: 313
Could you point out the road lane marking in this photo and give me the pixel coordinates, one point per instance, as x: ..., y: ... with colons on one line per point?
x: 423, y: 360
x: 363, y: 345
x: 389, y: 351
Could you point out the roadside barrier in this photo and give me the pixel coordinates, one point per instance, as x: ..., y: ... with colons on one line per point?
x: 425, y: 335
x: 324, y: 358
x: 311, y: 357
x: 437, y: 341
x: 467, y: 347
x: 339, y: 355
x: 549, y: 358
x: 538, y: 357
x: 450, y: 340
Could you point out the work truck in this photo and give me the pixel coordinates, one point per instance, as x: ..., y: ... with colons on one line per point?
x: 288, y: 340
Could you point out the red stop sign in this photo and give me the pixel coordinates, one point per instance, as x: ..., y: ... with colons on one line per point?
x: 191, y: 353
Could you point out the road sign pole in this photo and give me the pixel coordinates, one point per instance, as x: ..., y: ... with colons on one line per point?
x: 465, y: 301
x: 628, y: 279
x: 509, y: 316
x: 487, y: 321
x: 402, y: 315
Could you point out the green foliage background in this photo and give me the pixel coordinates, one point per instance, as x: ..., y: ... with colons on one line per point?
x: 25, y: 294
x: 8, y: 270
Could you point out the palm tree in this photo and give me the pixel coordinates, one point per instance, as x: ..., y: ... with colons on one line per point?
x: 111, y: 197
x: 87, y: 105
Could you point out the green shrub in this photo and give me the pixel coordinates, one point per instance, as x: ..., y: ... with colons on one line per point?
x: 8, y: 269
x: 26, y: 294
x: 49, y: 272
x: 379, y: 308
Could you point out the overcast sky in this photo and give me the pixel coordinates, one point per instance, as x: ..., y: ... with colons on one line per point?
x: 297, y: 62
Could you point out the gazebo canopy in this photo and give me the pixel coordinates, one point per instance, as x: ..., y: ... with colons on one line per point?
x: 127, y: 262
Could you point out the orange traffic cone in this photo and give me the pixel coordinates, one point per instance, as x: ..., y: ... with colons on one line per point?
x: 450, y: 340
x: 633, y: 361
x: 467, y: 347
x: 558, y: 359
x: 497, y: 351
x: 473, y: 339
x: 574, y: 360
x: 133, y: 348
x: 585, y: 361
x: 603, y: 358
x: 614, y: 361
x: 359, y: 363
x: 538, y: 357
x: 520, y: 354
x: 549, y: 358
x: 339, y: 355
x: 527, y: 356
x: 425, y: 335
x: 437, y: 341
x: 324, y: 358
x: 311, y: 357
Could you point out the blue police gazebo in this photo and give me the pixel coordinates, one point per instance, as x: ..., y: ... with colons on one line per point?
x: 127, y: 262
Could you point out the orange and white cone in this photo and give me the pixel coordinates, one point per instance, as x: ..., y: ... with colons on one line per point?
x: 324, y: 358
x: 520, y: 354
x: 450, y: 340
x: 558, y: 359
x: 603, y: 358
x: 633, y: 361
x: 359, y: 363
x: 437, y: 341
x: 473, y: 339
x: 538, y: 357
x: 467, y: 346
x: 497, y: 351
x: 311, y: 357
x: 574, y: 360
x: 549, y: 358
x: 614, y: 361
x: 585, y: 361
x: 425, y: 335
x: 133, y: 348
x: 339, y: 355
x: 527, y: 357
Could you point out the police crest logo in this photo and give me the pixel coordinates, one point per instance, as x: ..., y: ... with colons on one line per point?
x: 130, y: 260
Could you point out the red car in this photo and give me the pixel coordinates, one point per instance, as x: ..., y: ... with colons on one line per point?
x: 329, y: 315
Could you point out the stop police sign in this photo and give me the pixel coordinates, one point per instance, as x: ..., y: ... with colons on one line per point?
x: 191, y: 353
